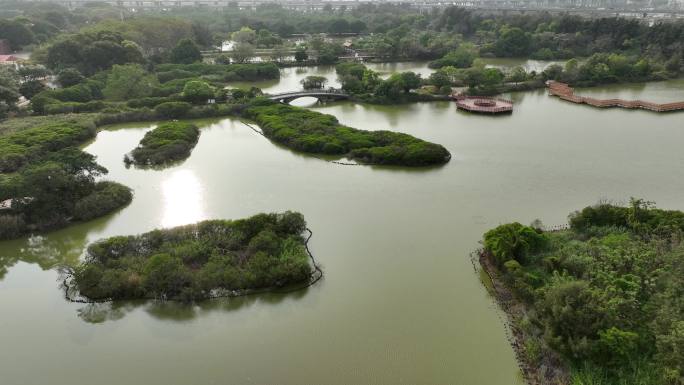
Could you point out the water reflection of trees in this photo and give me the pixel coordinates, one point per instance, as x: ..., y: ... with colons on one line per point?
x: 177, y: 311
x: 62, y: 247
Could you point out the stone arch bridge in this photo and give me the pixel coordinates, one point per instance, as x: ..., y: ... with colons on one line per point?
x: 321, y: 95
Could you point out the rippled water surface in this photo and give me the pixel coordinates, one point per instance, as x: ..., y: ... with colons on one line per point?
x: 400, y: 302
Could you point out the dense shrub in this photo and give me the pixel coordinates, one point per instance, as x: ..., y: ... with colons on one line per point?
x: 73, y: 107
x: 605, y: 294
x: 56, y: 187
x: 20, y: 147
x: 174, y: 74
x: 639, y: 216
x: 105, y: 198
x: 313, y: 132
x: 513, y: 241
x: 228, y: 72
x: 172, y: 110
x: 198, y: 92
x: 149, y: 102
x: 114, y: 117
x: 194, y: 261
x: 167, y: 142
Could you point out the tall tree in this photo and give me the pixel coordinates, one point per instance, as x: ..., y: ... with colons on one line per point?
x: 129, y: 81
x: 186, y: 52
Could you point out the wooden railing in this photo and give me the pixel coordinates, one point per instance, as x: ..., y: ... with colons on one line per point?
x: 565, y: 92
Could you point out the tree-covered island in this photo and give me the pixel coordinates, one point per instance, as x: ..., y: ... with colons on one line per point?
x: 171, y: 141
x: 46, y: 181
x: 199, y: 261
x: 313, y: 132
x: 598, y: 303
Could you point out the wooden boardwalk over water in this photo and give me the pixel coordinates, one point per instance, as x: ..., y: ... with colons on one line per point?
x: 483, y: 104
x: 565, y: 92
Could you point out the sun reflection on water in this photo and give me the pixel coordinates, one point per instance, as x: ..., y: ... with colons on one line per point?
x: 183, y: 199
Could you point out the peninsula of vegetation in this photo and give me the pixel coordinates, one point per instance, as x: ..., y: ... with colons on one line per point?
x: 598, y: 303
x: 313, y: 132
x: 171, y: 141
x: 46, y: 181
x: 198, y: 261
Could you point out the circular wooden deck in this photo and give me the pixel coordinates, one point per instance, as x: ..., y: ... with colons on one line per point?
x: 483, y: 104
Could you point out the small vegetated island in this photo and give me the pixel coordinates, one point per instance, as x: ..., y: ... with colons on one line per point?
x: 198, y: 261
x: 46, y: 181
x: 171, y: 141
x: 599, y: 303
x: 316, y: 133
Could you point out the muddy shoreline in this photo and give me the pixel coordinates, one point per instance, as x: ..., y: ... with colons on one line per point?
x: 544, y: 368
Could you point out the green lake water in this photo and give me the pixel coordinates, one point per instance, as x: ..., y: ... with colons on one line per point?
x: 400, y: 302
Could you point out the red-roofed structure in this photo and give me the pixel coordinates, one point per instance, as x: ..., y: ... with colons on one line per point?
x: 8, y: 59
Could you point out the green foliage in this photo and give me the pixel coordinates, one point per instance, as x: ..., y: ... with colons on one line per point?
x: 314, y: 82
x: 30, y: 88
x: 301, y: 55
x: 640, y: 217
x: 129, y: 81
x: 228, y: 73
x: 606, y: 294
x: 69, y: 77
x: 195, y: 261
x: 462, y: 57
x: 312, y: 132
x: 9, y: 90
x: 185, y: 52
x: 16, y: 33
x: 90, y: 52
x: 243, y: 52
x: 21, y: 147
x: 172, y: 110
x: 513, y: 42
x: 56, y: 188
x: 78, y: 94
x: 175, y: 74
x: 149, y: 102
x: 361, y: 81
x: 198, y: 92
x: 513, y: 241
x: 105, y: 198
x: 75, y: 107
x: 167, y: 142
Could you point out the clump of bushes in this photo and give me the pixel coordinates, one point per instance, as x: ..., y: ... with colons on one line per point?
x: 172, y: 110
x: 313, y: 132
x: 73, y: 107
x: 513, y: 241
x: 168, y: 142
x: 199, y: 260
x: 605, y: 294
x: 150, y: 101
x: 20, y: 147
x: 105, y: 198
x: 638, y: 216
x: 228, y: 72
x: 54, y: 189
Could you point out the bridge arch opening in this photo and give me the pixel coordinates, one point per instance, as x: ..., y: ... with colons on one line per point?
x: 304, y: 101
